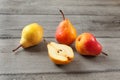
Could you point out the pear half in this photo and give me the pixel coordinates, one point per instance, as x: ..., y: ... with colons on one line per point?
x: 60, y: 53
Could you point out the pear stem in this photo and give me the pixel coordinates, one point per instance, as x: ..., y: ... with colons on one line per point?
x: 17, y: 48
x: 62, y: 14
x: 104, y: 53
x: 46, y: 41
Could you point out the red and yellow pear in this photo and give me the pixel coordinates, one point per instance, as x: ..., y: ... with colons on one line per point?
x: 66, y: 32
x: 86, y: 44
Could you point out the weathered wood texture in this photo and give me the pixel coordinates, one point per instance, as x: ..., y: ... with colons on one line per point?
x: 74, y: 7
x: 36, y: 60
x: 109, y: 26
x: 64, y: 76
x: 100, y: 17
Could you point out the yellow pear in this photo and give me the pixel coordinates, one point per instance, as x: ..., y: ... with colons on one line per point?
x: 60, y: 53
x: 32, y: 34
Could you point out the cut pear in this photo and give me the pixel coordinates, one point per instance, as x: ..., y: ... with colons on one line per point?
x: 60, y: 53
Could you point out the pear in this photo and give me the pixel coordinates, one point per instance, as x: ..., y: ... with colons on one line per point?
x: 60, y: 53
x: 86, y: 44
x: 32, y: 35
x: 65, y: 32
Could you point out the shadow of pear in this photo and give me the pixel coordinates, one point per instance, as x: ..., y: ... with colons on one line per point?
x: 88, y: 56
x: 72, y: 67
x: 41, y: 47
x: 73, y: 47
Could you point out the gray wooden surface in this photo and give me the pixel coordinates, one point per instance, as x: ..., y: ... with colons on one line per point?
x: 100, y: 17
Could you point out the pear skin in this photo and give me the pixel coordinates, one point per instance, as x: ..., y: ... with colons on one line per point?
x: 65, y: 32
x: 32, y: 35
x: 86, y: 44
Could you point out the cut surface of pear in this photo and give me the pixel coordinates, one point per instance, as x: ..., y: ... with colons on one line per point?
x: 32, y: 34
x: 60, y: 53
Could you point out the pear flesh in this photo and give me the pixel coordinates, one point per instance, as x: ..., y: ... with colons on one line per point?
x: 60, y: 53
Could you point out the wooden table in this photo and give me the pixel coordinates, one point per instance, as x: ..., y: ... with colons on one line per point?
x: 100, y: 17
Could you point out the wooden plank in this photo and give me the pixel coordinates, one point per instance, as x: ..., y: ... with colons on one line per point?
x: 70, y: 76
x: 36, y: 60
x: 84, y: 7
x: 90, y: 76
x: 109, y: 26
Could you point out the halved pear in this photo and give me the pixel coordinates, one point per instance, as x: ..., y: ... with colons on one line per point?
x: 60, y: 53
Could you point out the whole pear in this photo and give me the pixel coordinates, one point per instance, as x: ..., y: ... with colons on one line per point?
x: 86, y: 44
x: 66, y: 32
x: 32, y: 35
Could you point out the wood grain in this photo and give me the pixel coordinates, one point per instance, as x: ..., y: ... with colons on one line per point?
x: 12, y: 25
x: 76, y: 7
x: 100, y: 17
x: 65, y: 76
x: 36, y: 60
